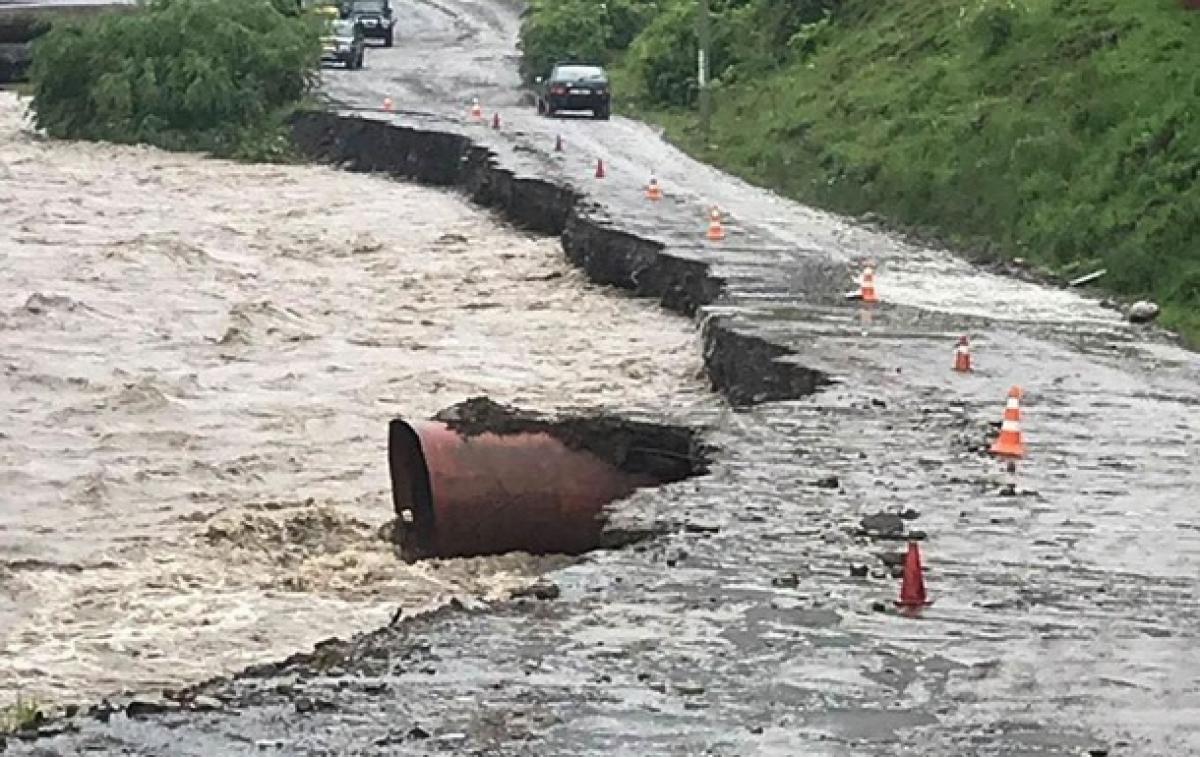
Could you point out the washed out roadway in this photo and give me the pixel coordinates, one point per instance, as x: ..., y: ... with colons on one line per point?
x: 1064, y: 619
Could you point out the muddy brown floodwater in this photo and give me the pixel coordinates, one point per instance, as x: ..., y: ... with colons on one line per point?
x: 199, y: 361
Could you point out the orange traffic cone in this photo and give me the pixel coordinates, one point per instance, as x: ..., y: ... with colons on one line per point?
x: 1010, y: 443
x: 558, y: 143
x: 495, y: 120
x: 866, y: 290
x: 476, y: 110
x: 716, y: 231
x: 654, y: 192
x: 600, y: 168
x: 388, y: 105
x: 912, y: 586
x: 962, y: 355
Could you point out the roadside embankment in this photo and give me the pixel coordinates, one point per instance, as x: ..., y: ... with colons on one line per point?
x: 743, y: 367
x: 1059, y: 133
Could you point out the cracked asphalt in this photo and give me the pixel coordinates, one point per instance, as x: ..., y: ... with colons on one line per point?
x: 1065, y: 607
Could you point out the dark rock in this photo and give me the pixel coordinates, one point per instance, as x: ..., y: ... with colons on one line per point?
x: 1142, y: 312
x: 689, y: 689
x: 757, y: 730
x: 314, y: 704
x: 878, y: 606
x: 1008, y: 490
x: 828, y: 482
x: 700, y: 528
x: 264, y: 670
x: 790, y: 581
x: 417, y: 732
x: 891, y: 558
x: 139, y: 708
x: 859, y: 571
x: 910, y: 514
x: 915, y: 535
x: 1098, y: 752
x: 546, y: 276
x: 882, y: 525
x: 391, y: 738
x: 876, y: 402
x: 102, y: 711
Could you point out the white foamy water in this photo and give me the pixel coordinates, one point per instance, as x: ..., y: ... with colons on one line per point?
x: 199, y: 361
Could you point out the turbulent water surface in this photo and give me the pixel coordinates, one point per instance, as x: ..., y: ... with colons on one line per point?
x: 199, y: 360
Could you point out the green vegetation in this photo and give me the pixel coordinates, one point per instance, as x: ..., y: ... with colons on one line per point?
x: 1061, y: 131
x: 212, y: 75
x: 24, y: 714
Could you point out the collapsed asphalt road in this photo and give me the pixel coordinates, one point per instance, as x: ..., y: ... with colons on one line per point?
x: 1064, y: 616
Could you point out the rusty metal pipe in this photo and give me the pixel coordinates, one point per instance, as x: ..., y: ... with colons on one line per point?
x: 489, y: 493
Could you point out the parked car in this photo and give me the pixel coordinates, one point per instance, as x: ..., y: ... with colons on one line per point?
x: 343, y: 43
x: 375, y: 19
x: 573, y: 86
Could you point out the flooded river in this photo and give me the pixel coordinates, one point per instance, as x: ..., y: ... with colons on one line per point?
x: 199, y: 360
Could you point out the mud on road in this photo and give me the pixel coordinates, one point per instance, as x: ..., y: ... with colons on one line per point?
x: 1065, y: 601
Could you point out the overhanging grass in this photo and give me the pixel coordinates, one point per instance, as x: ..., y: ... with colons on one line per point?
x: 23, y: 714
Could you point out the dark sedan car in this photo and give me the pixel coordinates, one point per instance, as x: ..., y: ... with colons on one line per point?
x: 571, y: 86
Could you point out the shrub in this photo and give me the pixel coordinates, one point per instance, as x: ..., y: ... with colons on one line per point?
x: 563, y: 30
x: 994, y: 26
x: 210, y: 75
x: 585, y: 31
x: 662, y: 60
x: 23, y: 714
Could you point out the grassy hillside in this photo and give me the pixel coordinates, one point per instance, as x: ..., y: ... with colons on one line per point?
x: 1063, y: 131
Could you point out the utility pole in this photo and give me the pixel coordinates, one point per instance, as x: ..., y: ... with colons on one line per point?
x: 702, y: 59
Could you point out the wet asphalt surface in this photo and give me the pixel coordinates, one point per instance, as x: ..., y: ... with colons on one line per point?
x: 1064, y: 616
